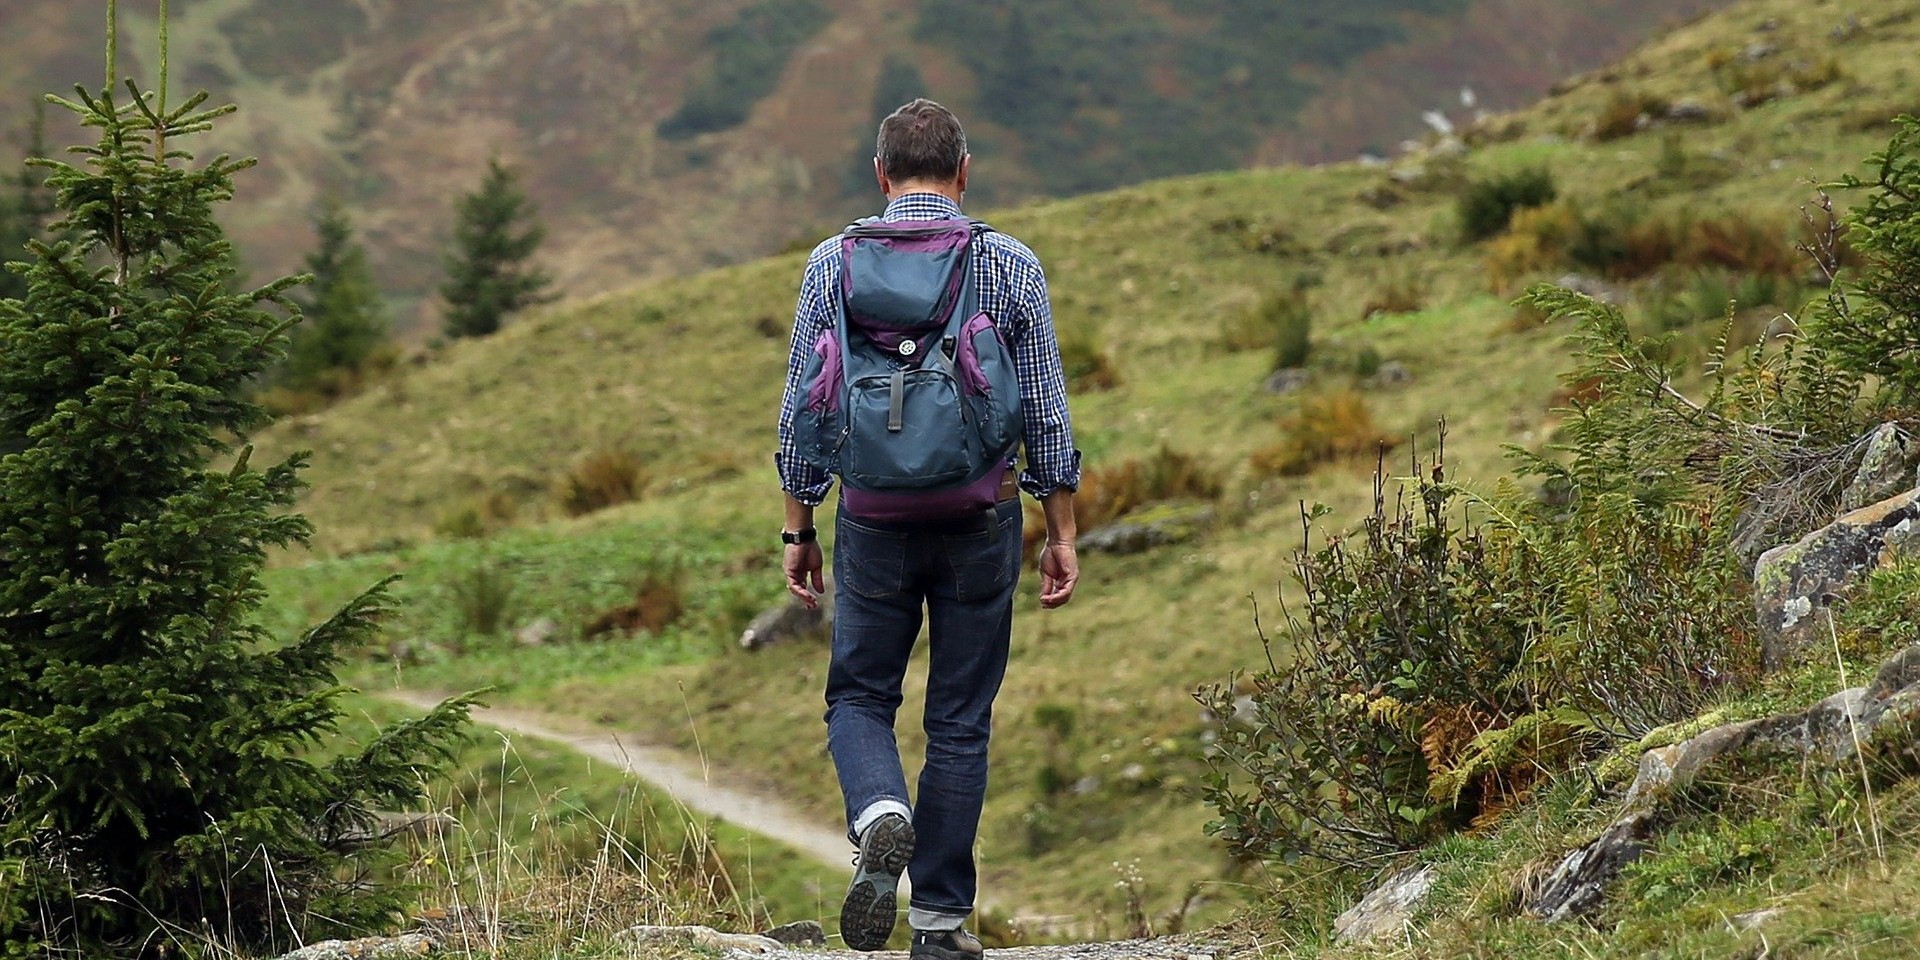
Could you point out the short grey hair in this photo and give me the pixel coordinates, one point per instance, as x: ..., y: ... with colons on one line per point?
x: 921, y: 141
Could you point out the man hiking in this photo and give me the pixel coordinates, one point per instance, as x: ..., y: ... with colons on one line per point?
x: 923, y: 354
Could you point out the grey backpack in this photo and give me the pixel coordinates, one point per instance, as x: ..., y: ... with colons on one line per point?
x: 911, y: 396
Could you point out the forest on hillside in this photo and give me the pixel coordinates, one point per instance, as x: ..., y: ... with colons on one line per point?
x: 651, y: 127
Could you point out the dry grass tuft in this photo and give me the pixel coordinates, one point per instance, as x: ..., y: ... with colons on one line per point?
x: 1089, y: 368
x: 560, y: 879
x: 1626, y: 113
x: 658, y: 601
x: 600, y: 480
x: 1398, y: 293
x: 1329, y: 427
x: 1108, y: 493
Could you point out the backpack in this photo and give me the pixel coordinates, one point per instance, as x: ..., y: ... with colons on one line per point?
x: 911, y: 396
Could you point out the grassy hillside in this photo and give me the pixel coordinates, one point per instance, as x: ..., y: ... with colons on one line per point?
x: 581, y: 850
x: 662, y: 136
x: 1098, y: 738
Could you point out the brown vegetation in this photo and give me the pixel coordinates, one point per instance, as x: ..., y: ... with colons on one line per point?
x: 1330, y: 426
x: 657, y: 602
x: 600, y: 480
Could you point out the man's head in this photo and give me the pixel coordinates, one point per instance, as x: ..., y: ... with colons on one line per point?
x: 921, y: 147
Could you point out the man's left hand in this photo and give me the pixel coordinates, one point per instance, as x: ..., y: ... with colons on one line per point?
x: 1059, y: 574
x: 804, y: 562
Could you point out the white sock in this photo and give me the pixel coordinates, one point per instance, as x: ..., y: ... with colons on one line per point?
x: 876, y: 810
x: 933, y: 921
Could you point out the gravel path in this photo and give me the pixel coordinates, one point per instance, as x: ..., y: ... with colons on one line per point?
x: 673, y: 773
x: 1162, y: 948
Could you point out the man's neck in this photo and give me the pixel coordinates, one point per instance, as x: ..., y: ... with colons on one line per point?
x: 949, y: 190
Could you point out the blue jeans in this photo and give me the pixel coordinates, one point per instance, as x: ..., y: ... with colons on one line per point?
x: 963, y: 572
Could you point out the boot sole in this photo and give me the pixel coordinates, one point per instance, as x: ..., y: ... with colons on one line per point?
x: 931, y: 952
x: 871, y: 909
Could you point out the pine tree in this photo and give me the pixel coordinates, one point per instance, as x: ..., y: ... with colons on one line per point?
x: 155, y: 741
x: 488, y: 274
x: 344, y: 320
x: 25, y: 210
x: 900, y: 82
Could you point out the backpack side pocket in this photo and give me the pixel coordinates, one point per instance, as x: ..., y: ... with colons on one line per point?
x: 992, y: 385
x: 819, y: 423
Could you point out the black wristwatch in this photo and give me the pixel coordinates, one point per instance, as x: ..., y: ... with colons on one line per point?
x: 790, y: 538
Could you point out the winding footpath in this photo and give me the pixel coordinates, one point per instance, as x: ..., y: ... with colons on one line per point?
x: 670, y: 771
x: 694, y: 788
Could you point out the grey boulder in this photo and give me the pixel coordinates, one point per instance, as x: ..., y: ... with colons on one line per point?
x: 1794, y: 584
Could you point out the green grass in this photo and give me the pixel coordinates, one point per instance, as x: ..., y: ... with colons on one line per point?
x: 535, y: 817
x: 679, y: 372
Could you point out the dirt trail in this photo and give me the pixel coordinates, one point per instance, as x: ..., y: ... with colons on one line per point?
x: 674, y: 773
x: 695, y: 788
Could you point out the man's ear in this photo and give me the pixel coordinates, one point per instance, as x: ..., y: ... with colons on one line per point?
x: 880, y: 176
x: 966, y: 167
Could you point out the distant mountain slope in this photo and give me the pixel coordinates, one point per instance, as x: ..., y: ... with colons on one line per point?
x: 684, y: 374
x: 667, y: 135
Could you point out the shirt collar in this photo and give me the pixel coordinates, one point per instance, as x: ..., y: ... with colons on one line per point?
x: 922, y: 206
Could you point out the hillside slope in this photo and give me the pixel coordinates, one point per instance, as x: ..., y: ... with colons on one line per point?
x: 1163, y: 279
x: 661, y: 136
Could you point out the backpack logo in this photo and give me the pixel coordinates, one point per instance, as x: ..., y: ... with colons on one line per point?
x: 911, y: 396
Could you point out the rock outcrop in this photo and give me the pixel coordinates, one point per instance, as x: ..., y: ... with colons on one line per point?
x: 800, y: 933
x: 789, y: 621
x: 1794, y: 584
x: 1389, y: 908
x: 1886, y: 468
x: 1832, y: 730
x: 1142, y: 530
x: 370, y: 948
x: 705, y: 937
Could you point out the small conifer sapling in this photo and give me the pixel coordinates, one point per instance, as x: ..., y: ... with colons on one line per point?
x: 489, y: 274
x: 156, y: 743
x: 344, y: 321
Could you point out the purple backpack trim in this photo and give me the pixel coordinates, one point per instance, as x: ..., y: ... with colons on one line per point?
x: 940, y: 505
x: 824, y: 392
x: 967, y: 356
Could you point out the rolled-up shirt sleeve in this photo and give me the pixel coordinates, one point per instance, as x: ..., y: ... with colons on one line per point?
x: 811, y: 315
x: 1053, y: 462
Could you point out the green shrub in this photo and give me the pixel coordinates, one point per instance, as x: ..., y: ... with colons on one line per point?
x: 1292, y: 323
x: 1698, y: 296
x: 1877, y: 331
x: 1751, y: 82
x: 1367, y: 361
x: 1486, y: 207
x: 1885, y: 612
x: 483, y: 599
x: 1441, y: 668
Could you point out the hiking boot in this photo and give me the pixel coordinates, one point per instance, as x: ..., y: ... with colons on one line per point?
x: 946, y: 945
x: 867, y: 916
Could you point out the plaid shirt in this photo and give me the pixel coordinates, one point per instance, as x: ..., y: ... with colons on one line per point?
x: 1013, y: 290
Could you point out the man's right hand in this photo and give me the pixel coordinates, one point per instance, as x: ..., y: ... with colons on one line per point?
x: 804, y: 563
